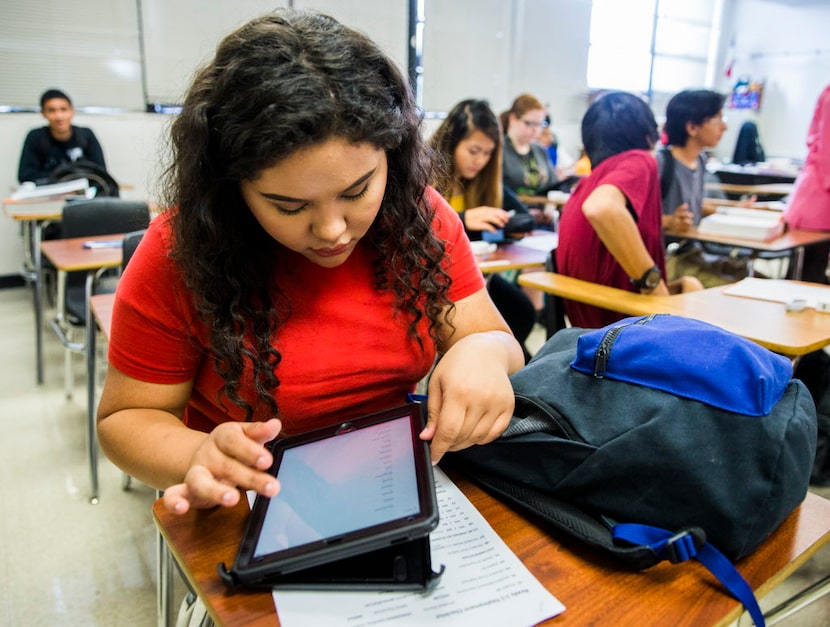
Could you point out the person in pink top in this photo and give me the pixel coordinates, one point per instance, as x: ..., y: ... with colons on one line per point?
x: 809, y: 204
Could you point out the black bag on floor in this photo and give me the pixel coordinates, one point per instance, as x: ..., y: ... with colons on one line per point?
x: 814, y: 370
x: 661, y: 421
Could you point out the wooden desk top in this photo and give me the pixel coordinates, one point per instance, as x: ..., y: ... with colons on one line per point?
x: 592, y: 586
x: 542, y: 200
x: 792, y: 238
x: 101, y: 305
x: 44, y: 209
x: 764, y: 322
x: 767, y: 189
x: 767, y: 323
x: 511, y: 257
x: 70, y: 255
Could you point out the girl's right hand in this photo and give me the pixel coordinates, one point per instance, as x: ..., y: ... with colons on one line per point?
x: 233, y: 457
x: 485, y: 219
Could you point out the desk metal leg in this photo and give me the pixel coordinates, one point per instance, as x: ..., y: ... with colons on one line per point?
x: 37, y: 231
x: 798, y: 259
x: 164, y: 580
x: 798, y: 602
x: 92, y: 427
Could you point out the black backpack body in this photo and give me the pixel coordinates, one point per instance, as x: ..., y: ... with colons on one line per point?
x: 662, y: 421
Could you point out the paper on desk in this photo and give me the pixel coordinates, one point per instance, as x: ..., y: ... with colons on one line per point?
x: 778, y: 290
x: 42, y: 191
x: 484, y: 583
x: 545, y: 242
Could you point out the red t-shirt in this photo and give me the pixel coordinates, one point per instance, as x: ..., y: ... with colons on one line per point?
x: 344, y: 350
x: 580, y: 252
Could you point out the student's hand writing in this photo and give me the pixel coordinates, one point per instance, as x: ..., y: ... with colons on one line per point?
x: 681, y: 220
x: 232, y: 457
x: 471, y: 400
x: 485, y: 219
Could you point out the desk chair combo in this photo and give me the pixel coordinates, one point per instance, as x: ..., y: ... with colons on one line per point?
x: 95, y: 219
x: 131, y: 241
x: 99, y: 216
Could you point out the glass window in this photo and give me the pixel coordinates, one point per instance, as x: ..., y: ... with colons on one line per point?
x: 653, y: 45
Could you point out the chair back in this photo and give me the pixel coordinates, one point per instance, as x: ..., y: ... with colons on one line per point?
x: 104, y: 216
x: 131, y: 241
x: 98, y: 216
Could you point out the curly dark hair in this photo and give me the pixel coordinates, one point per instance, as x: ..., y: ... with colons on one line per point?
x: 284, y: 81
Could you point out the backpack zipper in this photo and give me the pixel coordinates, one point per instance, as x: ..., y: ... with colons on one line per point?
x: 603, y: 351
x: 538, y: 416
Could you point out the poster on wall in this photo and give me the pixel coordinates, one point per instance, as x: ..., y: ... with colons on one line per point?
x: 746, y: 94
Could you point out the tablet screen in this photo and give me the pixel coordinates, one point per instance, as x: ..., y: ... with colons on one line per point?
x: 337, y: 485
x: 344, y: 490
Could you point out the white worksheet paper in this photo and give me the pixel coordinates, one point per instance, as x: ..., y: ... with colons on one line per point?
x: 484, y: 583
x: 778, y: 290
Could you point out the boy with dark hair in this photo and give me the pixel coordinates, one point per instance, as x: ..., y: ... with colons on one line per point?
x: 694, y: 123
x: 59, y: 142
x: 610, y: 230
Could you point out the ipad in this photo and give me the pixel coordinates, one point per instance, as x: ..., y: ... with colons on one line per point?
x: 346, y: 490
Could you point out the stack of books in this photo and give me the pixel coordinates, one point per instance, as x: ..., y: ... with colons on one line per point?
x: 29, y: 191
x: 754, y: 224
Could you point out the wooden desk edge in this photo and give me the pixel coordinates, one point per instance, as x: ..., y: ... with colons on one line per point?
x: 796, y: 540
x: 263, y: 598
x: 634, y: 304
x: 765, y: 588
x: 595, y: 294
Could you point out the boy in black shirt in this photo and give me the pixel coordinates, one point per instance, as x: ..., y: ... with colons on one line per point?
x: 60, y: 142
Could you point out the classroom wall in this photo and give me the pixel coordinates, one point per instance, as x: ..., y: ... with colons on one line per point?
x: 496, y: 49
x: 783, y: 43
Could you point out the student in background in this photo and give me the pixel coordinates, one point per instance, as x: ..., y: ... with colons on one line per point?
x: 59, y: 142
x: 526, y: 168
x: 809, y: 204
x: 306, y: 275
x: 748, y: 148
x: 694, y: 123
x: 610, y: 230
x: 467, y: 151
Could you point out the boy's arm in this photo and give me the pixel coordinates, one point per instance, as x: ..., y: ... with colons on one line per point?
x: 607, y: 211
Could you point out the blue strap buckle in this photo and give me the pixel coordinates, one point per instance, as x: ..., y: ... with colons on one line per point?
x: 684, y: 545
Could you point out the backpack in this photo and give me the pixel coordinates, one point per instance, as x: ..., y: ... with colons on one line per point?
x: 98, y: 177
x: 655, y: 423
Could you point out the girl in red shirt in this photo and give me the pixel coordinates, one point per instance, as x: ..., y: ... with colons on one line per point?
x: 306, y: 275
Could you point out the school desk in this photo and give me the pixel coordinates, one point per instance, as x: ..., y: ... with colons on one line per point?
x: 34, y: 215
x: 768, y: 323
x: 511, y: 256
x: 762, y: 191
x: 794, y: 240
x: 69, y: 255
x: 593, y: 587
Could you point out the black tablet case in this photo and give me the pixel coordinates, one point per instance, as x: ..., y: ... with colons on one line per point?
x: 405, y: 565
x: 400, y: 567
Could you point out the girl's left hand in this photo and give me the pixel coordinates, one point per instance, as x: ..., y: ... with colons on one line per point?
x: 471, y: 400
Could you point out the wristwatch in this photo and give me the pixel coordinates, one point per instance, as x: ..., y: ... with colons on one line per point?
x: 651, y: 278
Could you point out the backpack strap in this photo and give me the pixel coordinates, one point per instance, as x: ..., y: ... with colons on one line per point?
x: 666, y: 172
x: 689, y: 543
